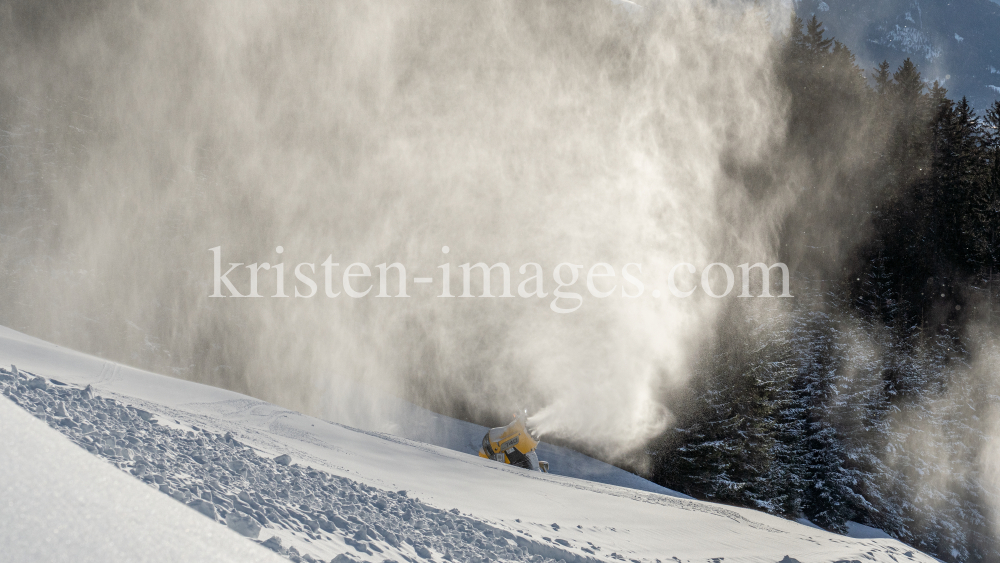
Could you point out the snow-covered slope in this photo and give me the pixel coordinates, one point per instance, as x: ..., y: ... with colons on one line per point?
x: 61, y: 504
x: 344, y: 491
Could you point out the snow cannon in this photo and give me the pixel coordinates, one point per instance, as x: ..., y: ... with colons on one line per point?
x: 514, y: 445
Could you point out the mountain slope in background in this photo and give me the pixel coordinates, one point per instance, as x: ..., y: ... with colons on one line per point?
x: 956, y: 42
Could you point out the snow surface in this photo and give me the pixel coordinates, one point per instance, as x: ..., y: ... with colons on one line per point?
x: 372, y: 495
x: 856, y: 530
x: 62, y: 504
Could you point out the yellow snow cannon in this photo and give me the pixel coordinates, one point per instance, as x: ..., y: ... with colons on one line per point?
x: 514, y: 445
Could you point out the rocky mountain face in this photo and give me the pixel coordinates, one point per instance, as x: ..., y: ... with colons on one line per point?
x: 956, y: 42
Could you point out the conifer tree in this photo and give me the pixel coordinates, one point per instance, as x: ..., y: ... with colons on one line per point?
x: 816, y: 44
x: 882, y: 78
x: 983, y: 224
x: 827, y: 493
x: 731, y: 451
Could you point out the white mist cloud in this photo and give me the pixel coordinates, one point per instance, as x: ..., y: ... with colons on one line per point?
x: 380, y: 132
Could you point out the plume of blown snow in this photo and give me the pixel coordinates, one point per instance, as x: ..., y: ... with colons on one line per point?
x: 141, y: 136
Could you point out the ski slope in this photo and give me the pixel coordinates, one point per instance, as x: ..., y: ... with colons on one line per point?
x: 62, y: 504
x: 348, y: 494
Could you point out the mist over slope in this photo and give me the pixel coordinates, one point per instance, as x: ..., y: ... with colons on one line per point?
x: 140, y: 137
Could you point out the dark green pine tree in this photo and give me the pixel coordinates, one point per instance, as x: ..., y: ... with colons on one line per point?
x: 911, y: 111
x: 883, y: 78
x: 827, y: 494
x: 901, y: 221
x: 873, y: 357
x: 730, y: 449
x: 815, y: 42
x: 908, y: 86
x: 982, y: 227
x: 826, y: 85
x: 955, y: 171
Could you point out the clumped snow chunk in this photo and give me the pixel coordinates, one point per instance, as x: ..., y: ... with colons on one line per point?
x: 283, y: 459
x: 274, y: 543
x: 243, y: 524
x: 205, y: 507
x: 37, y: 383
